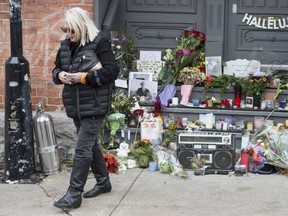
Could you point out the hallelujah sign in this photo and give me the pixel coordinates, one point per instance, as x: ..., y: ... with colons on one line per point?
x: 267, y: 22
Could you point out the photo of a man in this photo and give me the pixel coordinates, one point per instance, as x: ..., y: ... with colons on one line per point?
x: 142, y: 93
x: 143, y: 90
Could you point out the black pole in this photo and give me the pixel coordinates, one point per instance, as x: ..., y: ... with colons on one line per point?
x: 19, y: 142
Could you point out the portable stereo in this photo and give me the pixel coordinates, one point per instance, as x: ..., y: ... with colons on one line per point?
x: 215, y: 147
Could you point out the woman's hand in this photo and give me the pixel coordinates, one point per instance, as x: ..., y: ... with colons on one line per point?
x: 64, y: 78
x: 74, y: 77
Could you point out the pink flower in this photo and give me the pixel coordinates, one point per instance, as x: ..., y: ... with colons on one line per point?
x: 186, y: 52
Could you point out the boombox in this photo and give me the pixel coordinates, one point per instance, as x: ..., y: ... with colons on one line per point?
x: 217, y: 148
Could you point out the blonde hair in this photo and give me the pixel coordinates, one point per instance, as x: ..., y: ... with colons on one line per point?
x: 84, y: 27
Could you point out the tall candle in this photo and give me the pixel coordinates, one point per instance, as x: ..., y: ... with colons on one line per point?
x: 209, y: 120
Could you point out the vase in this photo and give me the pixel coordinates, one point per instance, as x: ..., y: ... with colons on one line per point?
x: 143, y: 161
x: 186, y: 91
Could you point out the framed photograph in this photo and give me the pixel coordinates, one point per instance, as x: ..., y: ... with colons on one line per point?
x: 249, y: 102
x: 141, y: 75
x: 213, y: 66
x: 144, y: 90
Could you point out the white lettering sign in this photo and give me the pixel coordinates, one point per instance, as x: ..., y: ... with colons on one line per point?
x: 270, y: 23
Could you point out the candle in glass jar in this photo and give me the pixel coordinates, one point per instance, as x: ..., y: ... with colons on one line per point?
x: 250, y: 126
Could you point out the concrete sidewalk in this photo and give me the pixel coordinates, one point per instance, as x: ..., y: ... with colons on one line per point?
x: 141, y: 192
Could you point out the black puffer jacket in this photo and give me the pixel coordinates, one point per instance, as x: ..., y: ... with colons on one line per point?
x: 94, y: 98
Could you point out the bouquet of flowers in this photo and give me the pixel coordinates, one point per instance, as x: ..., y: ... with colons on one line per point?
x: 189, y: 52
x: 111, y: 162
x: 191, y: 76
x: 269, y: 146
x: 124, y: 50
x: 142, y: 151
x: 122, y: 103
x: 197, y: 163
x: 115, y: 121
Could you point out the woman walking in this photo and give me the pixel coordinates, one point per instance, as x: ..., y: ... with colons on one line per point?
x: 87, y: 96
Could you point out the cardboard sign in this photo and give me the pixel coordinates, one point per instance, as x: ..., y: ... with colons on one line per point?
x: 150, y: 66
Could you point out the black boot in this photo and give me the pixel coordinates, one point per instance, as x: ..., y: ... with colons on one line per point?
x: 73, y: 198
x: 103, y: 185
x: 98, y: 167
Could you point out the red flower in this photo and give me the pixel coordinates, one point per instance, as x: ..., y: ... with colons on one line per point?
x: 196, y: 33
x: 138, y: 112
x: 251, y: 151
x: 225, y: 103
x: 111, y: 162
x: 204, y: 102
x: 208, y: 79
x: 202, y: 69
x: 203, y: 38
x: 188, y: 32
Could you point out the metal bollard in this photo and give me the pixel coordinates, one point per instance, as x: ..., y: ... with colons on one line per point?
x: 46, y: 142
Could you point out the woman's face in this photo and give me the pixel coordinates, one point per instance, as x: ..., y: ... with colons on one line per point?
x: 70, y: 33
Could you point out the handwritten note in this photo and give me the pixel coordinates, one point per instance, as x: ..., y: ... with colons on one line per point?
x: 150, y: 66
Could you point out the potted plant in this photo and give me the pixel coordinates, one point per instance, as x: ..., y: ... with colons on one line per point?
x: 254, y: 87
x: 223, y: 82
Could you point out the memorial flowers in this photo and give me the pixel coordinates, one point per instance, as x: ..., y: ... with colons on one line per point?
x: 223, y: 82
x: 111, y: 162
x: 142, y: 151
x: 125, y: 51
x: 252, y: 86
x: 197, y: 163
x: 269, y: 146
x: 189, y: 52
x: 191, y: 76
x: 280, y: 86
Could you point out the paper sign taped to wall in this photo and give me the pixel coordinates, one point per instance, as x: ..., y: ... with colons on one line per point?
x: 242, y: 67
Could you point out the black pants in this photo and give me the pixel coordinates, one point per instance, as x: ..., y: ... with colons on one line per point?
x: 87, y: 146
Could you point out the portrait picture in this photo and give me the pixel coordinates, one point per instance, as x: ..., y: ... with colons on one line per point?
x: 213, y: 66
x: 144, y: 91
x: 249, y: 102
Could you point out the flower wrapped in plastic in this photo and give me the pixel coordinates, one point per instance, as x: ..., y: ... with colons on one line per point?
x: 168, y: 163
x: 269, y: 146
x: 189, y: 52
x: 115, y: 121
x: 142, y: 151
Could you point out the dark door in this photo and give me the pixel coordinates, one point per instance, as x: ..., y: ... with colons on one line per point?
x: 154, y: 24
x: 249, y: 34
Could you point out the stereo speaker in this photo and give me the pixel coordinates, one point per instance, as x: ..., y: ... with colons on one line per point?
x: 216, y: 160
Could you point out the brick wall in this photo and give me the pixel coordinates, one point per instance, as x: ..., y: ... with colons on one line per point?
x: 41, y: 22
